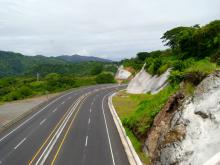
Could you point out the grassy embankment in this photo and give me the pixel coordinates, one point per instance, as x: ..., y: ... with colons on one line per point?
x: 137, y: 111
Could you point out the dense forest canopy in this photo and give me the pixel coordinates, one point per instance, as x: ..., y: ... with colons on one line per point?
x: 12, y: 64
x: 24, y: 76
x: 194, y: 41
x: 186, y: 44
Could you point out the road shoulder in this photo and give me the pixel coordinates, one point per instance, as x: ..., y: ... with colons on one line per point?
x: 129, y: 149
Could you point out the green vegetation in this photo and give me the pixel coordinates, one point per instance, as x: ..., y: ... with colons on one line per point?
x: 188, y: 46
x: 15, y: 88
x: 126, y: 105
x: 137, y: 113
x: 16, y: 64
x: 137, y: 146
x: 18, y: 74
x: 195, y: 41
x: 194, y: 53
x: 142, y: 118
x: 105, y: 78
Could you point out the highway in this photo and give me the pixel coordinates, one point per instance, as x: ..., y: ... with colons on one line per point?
x: 74, y: 128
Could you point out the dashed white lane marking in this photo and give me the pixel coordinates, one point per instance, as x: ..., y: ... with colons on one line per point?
x: 19, y: 143
x: 86, y: 141
x: 26, y: 121
x: 89, y: 121
x: 63, y: 102
x: 92, y: 102
x: 42, y: 121
x: 90, y: 110
x: 55, y: 110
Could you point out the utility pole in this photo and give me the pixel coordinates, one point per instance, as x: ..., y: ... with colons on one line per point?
x: 38, y: 75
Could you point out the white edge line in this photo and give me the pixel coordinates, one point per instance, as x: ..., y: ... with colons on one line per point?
x: 33, y: 116
x: 129, y: 149
x: 106, y: 126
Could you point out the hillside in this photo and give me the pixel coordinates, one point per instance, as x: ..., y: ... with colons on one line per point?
x: 79, y: 58
x: 194, y: 59
x: 17, y: 64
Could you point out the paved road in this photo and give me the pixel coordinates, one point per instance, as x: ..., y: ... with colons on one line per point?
x: 76, y: 128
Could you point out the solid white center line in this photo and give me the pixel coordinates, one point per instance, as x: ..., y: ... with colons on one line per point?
x: 89, y: 121
x: 55, y: 110
x: 19, y: 143
x: 63, y: 102
x: 42, y: 121
x: 86, y: 140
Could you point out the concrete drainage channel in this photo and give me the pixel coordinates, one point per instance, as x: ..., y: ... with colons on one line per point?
x: 129, y: 149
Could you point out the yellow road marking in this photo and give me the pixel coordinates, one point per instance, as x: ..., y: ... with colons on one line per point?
x: 64, y: 138
x: 38, y: 151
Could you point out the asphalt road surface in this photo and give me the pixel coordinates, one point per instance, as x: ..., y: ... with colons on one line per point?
x: 76, y: 128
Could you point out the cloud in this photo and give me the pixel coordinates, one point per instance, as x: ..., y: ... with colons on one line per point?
x: 109, y: 28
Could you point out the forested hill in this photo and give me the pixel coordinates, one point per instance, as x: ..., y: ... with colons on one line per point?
x: 79, y: 58
x: 12, y: 64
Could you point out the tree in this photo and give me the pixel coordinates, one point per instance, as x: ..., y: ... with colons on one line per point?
x: 97, y: 69
x: 194, y: 41
x: 143, y: 55
x: 104, y: 78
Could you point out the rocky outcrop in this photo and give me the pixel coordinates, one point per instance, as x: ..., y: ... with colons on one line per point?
x: 143, y: 82
x: 122, y: 74
x: 161, y: 133
x: 187, y: 130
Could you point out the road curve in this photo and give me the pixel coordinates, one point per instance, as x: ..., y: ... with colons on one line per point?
x: 75, y: 128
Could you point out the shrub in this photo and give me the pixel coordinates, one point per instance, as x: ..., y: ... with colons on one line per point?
x: 153, y: 65
x: 25, y: 91
x: 104, y: 78
x: 175, y: 77
x: 14, y: 95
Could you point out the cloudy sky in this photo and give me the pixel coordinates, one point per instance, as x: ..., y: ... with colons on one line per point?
x: 112, y: 29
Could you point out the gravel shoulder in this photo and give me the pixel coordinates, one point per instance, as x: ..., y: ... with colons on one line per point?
x: 11, y: 110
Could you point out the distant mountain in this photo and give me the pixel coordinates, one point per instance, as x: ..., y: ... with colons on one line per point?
x: 79, y: 58
x: 18, y: 64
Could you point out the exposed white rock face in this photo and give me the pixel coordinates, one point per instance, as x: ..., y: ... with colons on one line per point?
x: 122, y: 74
x: 215, y: 160
x: 143, y: 82
x: 201, y: 116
